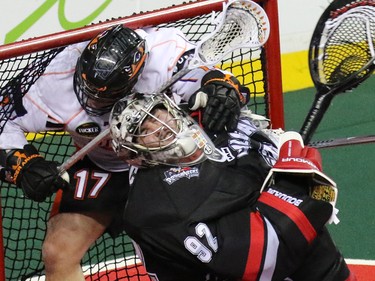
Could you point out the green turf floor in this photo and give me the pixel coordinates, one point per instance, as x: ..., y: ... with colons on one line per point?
x: 352, y: 167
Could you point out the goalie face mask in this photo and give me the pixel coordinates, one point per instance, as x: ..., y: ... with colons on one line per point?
x: 153, y: 130
x: 108, y: 69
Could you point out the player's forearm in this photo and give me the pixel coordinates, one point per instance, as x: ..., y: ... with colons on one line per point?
x: 12, y: 138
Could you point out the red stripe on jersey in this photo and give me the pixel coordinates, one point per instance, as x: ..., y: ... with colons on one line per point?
x: 292, y: 212
x: 256, y: 248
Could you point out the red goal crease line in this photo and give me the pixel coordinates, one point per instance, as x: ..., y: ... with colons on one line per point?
x: 132, y: 269
x: 363, y: 269
x: 129, y: 268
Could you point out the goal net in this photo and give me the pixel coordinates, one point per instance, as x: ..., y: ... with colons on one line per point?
x: 22, y: 63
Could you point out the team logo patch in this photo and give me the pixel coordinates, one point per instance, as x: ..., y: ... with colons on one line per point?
x: 90, y: 129
x: 175, y: 174
x: 324, y: 193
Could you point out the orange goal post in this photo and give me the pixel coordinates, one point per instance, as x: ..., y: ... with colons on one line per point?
x: 23, y: 222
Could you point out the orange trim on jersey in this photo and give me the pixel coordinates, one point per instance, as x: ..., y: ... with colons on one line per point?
x: 56, y: 204
x: 178, y: 57
x: 292, y: 212
x: 256, y: 248
x: 177, y: 47
x: 59, y: 122
x: 205, y: 68
x: 189, y: 80
x: 138, y: 66
x: 74, y: 116
x: 37, y: 105
x: 58, y: 73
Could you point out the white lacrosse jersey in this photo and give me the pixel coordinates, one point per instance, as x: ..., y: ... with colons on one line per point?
x: 52, y: 105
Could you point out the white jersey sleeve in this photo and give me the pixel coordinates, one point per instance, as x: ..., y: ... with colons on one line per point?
x: 46, y: 99
x: 166, y: 46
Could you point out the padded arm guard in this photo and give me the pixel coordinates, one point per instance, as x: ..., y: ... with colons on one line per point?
x: 27, y: 169
x: 292, y: 199
x: 221, y: 97
x: 304, y: 164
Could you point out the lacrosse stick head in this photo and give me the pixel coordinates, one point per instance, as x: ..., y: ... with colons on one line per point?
x: 241, y: 24
x: 157, y: 131
x: 341, y: 52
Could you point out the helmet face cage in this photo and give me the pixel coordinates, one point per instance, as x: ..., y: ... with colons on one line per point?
x: 160, y: 137
x: 108, y: 69
x: 171, y: 140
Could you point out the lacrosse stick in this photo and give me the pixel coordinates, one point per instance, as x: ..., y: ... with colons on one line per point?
x: 341, y: 55
x: 241, y: 24
x: 342, y: 141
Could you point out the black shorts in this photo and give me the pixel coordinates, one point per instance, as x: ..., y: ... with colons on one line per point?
x: 94, y: 189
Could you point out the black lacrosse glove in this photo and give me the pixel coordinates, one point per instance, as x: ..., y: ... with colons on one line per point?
x: 37, y: 177
x: 220, y: 98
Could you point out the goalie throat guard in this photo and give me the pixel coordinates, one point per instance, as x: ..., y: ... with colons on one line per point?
x: 180, y: 141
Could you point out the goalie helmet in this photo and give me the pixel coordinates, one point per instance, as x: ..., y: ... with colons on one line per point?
x: 172, y: 140
x: 108, y: 69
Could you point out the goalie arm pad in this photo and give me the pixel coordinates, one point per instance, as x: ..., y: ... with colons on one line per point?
x: 221, y: 98
x: 27, y: 169
x: 296, y: 160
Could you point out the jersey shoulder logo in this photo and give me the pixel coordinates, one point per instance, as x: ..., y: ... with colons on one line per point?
x: 90, y: 129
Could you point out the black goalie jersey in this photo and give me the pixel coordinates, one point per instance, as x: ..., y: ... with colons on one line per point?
x: 210, y: 221
x: 186, y: 219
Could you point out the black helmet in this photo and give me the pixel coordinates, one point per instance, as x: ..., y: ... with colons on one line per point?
x: 108, y: 69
